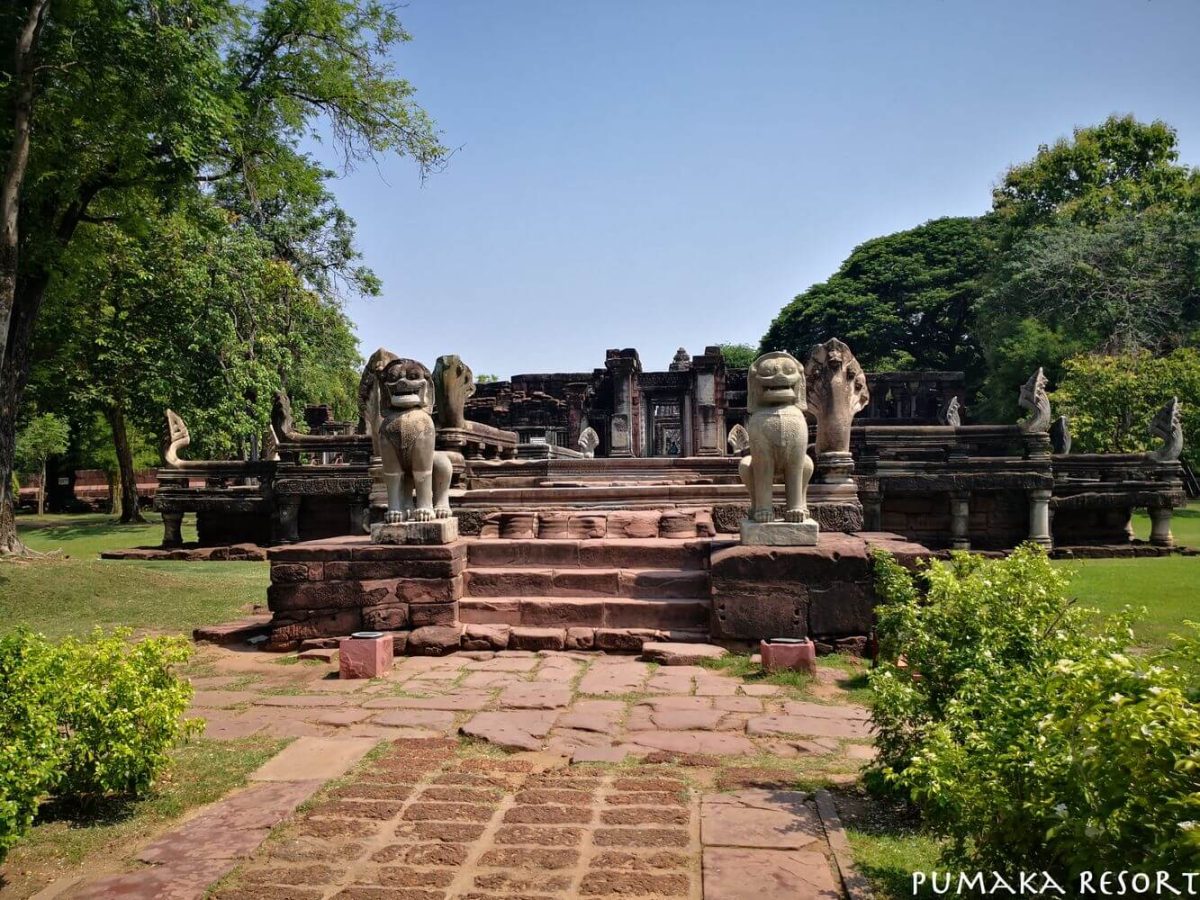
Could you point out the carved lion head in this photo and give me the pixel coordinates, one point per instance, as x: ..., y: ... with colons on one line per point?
x: 775, y: 379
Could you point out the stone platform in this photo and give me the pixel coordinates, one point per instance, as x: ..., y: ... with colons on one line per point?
x: 826, y: 591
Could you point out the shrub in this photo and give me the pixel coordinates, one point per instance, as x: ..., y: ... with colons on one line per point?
x: 82, y: 720
x: 30, y: 743
x: 1023, y: 731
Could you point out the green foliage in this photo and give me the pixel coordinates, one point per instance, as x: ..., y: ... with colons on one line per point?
x: 904, y: 301
x: 1111, y: 399
x: 46, y: 435
x: 82, y: 720
x: 1028, y: 739
x: 1103, y: 173
x: 738, y: 356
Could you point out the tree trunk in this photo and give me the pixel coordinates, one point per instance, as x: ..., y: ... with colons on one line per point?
x: 130, y: 510
x: 114, y: 494
x: 42, y: 491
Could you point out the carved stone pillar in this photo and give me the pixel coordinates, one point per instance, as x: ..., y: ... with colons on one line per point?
x: 708, y: 408
x: 625, y: 424
x: 960, y: 520
x: 1160, y: 527
x: 1039, y: 518
x: 172, y: 529
x: 287, y: 519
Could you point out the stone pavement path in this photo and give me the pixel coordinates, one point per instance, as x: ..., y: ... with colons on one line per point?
x: 514, y: 776
x: 590, y: 707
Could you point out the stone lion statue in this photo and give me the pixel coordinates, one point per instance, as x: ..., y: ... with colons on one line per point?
x: 775, y: 401
x: 396, y: 396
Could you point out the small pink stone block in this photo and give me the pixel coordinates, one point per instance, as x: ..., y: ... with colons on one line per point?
x: 365, y: 657
x: 800, y: 657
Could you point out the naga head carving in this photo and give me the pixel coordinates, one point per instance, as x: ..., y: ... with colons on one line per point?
x: 775, y: 379
x: 454, y: 384
x: 1167, y: 426
x: 834, y: 375
x: 1035, y: 399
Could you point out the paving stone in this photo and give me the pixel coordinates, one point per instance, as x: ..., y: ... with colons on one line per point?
x: 762, y: 690
x: 687, y: 720
x: 514, y: 730
x: 527, y: 695
x: 738, y: 704
x: 621, y: 678
x: 672, y: 654
x: 173, y: 882
x: 759, y: 818
x: 539, y: 836
x: 490, y: 679
x: 684, y: 703
x: 635, y: 884
x: 734, y: 873
x: 314, y: 758
x: 716, y: 743
x: 416, y: 718
x: 229, y: 728
x: 716, y: 687
x: 809, y: 726
x: 600, y: 716
x: 298, y: 700
x: 505, y: 663
x: 342, y: 717
x: 222, y: 699
x: 457, y: 700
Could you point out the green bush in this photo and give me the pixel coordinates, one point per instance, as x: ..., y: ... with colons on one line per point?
x: 83, y: 720
x: 1025, y: 733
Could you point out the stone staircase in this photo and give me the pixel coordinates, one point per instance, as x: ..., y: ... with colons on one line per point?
x: 618, y: 585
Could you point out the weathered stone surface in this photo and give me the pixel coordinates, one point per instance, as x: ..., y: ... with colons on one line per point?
x: 485, y: 637
x: 385, y: 617
x: 808, y: 725
x: 433, y: 640
x: 717, y: 743
x: 378, y: 569
x: 580, y: 638
x: 537, y: 638
x: 759, y: 818
x: 237, y: 632
x: 512, y: 730
x: 437, y: 531
x: 534, y: 695
x: 310, y: 758
x: 734, y: 873
x: 634, y: 524
x: 422, y: 614
x: 779, y: 534
x: 670, y: 654
x: 365, y: 657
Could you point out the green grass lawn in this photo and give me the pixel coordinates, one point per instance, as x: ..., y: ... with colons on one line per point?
x: 65, y: 843
x: 76, y: 591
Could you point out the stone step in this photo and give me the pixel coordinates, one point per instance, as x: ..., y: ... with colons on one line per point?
x: 533, y: 581
x: 663, y: 613
x: 619, y: 553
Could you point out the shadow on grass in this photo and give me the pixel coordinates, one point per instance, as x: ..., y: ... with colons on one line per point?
x: 75, y: 530
x: 99, y: 812
x: 888, y: 839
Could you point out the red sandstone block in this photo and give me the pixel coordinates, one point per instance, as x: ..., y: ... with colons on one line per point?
x: 368, y: 551
x: 365, y: 657
x: 394, y: 568
x: 652, y: 553
x: 552, y: 554
x: 537, y: 639
x: 314, y: 551
x: 490, y: 610
x: 664, y: 614
x: 585, y: 582
x: 508, y: 582
x: 421, y: 614
x: 562, y: 612
x: 587, y: 526
x: 634, y: 524
x: 387, y: 617
x: 428, y: 590
x: 299, y: 625
x: 624, y: 640
x: 664, y: 583
x: 327, y: 595
x: 553, y: 526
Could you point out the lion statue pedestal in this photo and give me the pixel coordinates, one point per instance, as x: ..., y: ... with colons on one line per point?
x: 778, y: 432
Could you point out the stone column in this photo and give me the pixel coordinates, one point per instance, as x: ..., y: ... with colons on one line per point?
x: 960, y: 520
x: 172, y: 529
x: 287, y: 519
x: 1039, y: 518
x: 1160, y: 527
x: 708, y: 406
x: 624, y: 366
x: 686, y: 437
x: 872, y: 502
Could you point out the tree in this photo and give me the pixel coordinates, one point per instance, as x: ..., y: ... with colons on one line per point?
x: 1111, y: 399
x: 46, y: 435
x: 904, y: 301
x: 738, y: 356
x: 1104, y: 172
x: 112, y: 96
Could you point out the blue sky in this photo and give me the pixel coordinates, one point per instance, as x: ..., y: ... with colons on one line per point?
x: 664, y: 173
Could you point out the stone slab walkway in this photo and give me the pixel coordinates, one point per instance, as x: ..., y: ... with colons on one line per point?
x: 590, y: 707
x: 513, y: 776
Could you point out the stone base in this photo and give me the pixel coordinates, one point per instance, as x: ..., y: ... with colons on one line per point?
x: 439, y: 531
x: 336, y: 587
x: 827, y: 591
x: 780, y: 534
